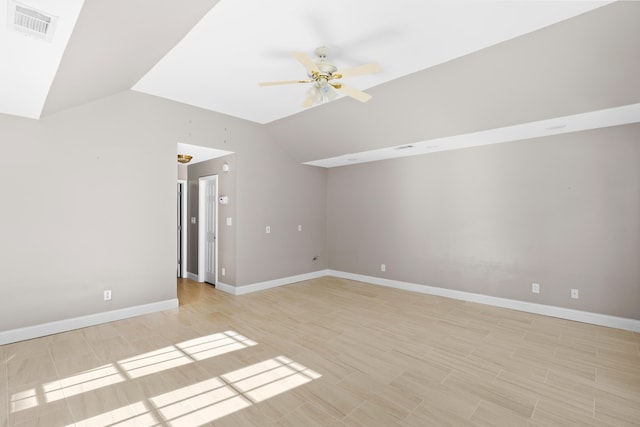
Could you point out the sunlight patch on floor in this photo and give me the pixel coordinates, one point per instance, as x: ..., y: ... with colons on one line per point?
x: 23, y: 400
x: 134, y: 367
x: 136, y: 414
x: 206, y: 401
x: 86, y: 381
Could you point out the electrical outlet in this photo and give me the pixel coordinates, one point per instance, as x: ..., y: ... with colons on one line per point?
x: 224, y: 272
x: 107, y: 295
x: 535, y: 288
x: 267, y: 229
x: 299, y: 228
x: 575, y: 294
x: 383, y: 267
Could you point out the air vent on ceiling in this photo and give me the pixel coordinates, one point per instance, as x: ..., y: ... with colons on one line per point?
x: 28, y: 20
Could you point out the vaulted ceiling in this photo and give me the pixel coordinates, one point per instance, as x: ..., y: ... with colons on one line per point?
x: 490, y: 71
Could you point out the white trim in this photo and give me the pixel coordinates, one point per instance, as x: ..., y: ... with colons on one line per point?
x: 44, y: 329
x: 529, y: 307
x: 192, y: 276
x: 201, y: 215
x: 261, y: 286
x: 185, y: 217
x: 226, y: 288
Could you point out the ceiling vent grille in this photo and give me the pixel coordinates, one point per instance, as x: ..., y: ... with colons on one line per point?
x: 30, y: 21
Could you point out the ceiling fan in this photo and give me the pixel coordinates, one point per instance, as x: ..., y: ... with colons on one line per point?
x: 323, y: 76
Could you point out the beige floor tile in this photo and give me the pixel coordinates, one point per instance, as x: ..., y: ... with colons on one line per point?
x: 133, y: 328
x: 371, y: 364
x: 548, y: 358
x: 496, y: 394
x: 383, y: 356
x: 538, y: 389
x: 331, y: 369
x: 280, y: 405
x: 68, y: 344
x: 76, y: 363
x: 113, y: 349
x: 552, y: 413
x: 580, y: 386
x: 4, y: 399
x: 28, y: 348
x: 104, y: 404
x: 140, y: 389
x: 247, y: 417
x: 24, y: 370
x: 534, y: 370
x: 336, y: 401
x: 309, y: 415
x: 618, y: 410
x: 489, y: 414
x: 44, y: 413
x: 369, y: 414
x: 395, y: 401
x: 100, y: 332
x: 436, y: 415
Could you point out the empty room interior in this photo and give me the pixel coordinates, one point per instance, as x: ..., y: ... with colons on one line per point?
x: 296, y: 213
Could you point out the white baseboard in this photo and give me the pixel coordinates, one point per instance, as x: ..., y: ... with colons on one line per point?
x: 192, y: 276
x: 261, y: 286
x: 529, y: 307
x: 225, y: 288
x: 21, y: 334
x: 36, y: 331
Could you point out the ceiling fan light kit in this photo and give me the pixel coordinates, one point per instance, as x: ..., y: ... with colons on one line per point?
x: 322, y: 75
x: 184, y: 158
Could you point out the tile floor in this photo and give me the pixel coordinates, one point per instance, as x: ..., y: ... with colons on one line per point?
x: 325, y: 352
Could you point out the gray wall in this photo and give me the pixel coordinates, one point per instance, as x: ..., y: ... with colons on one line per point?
x: 561, y: 211
x: 182, y: 172
x: 90, y: 205
x: 274, y: 190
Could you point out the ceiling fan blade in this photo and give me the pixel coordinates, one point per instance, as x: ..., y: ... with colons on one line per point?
x: 354, y: 93
x: 283, y: 82
x: 306, y: 61
x: 358, y: 70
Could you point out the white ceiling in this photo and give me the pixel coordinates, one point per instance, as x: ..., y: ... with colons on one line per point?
x: 29, y: 64
x: 212, y: 53
x: 242, y: 42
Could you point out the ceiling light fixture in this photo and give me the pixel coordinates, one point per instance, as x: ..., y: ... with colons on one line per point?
x: 184, y: 158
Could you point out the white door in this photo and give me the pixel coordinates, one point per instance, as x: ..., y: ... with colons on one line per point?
x: 207, y: 234
x: 180, y: 213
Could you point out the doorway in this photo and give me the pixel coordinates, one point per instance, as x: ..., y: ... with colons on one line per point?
x: 208, y: 229
x: 182, y: 228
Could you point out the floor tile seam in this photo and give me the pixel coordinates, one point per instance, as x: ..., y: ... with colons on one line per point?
x: 413, y: 410
x: 533, y: 411
x: 475, y: 409
x: 300, y: 405
x: 361, y: 404
x: 6, y: 387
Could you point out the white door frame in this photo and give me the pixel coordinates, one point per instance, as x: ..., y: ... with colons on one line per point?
x: 201, y: 225
x: 185, y: 216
